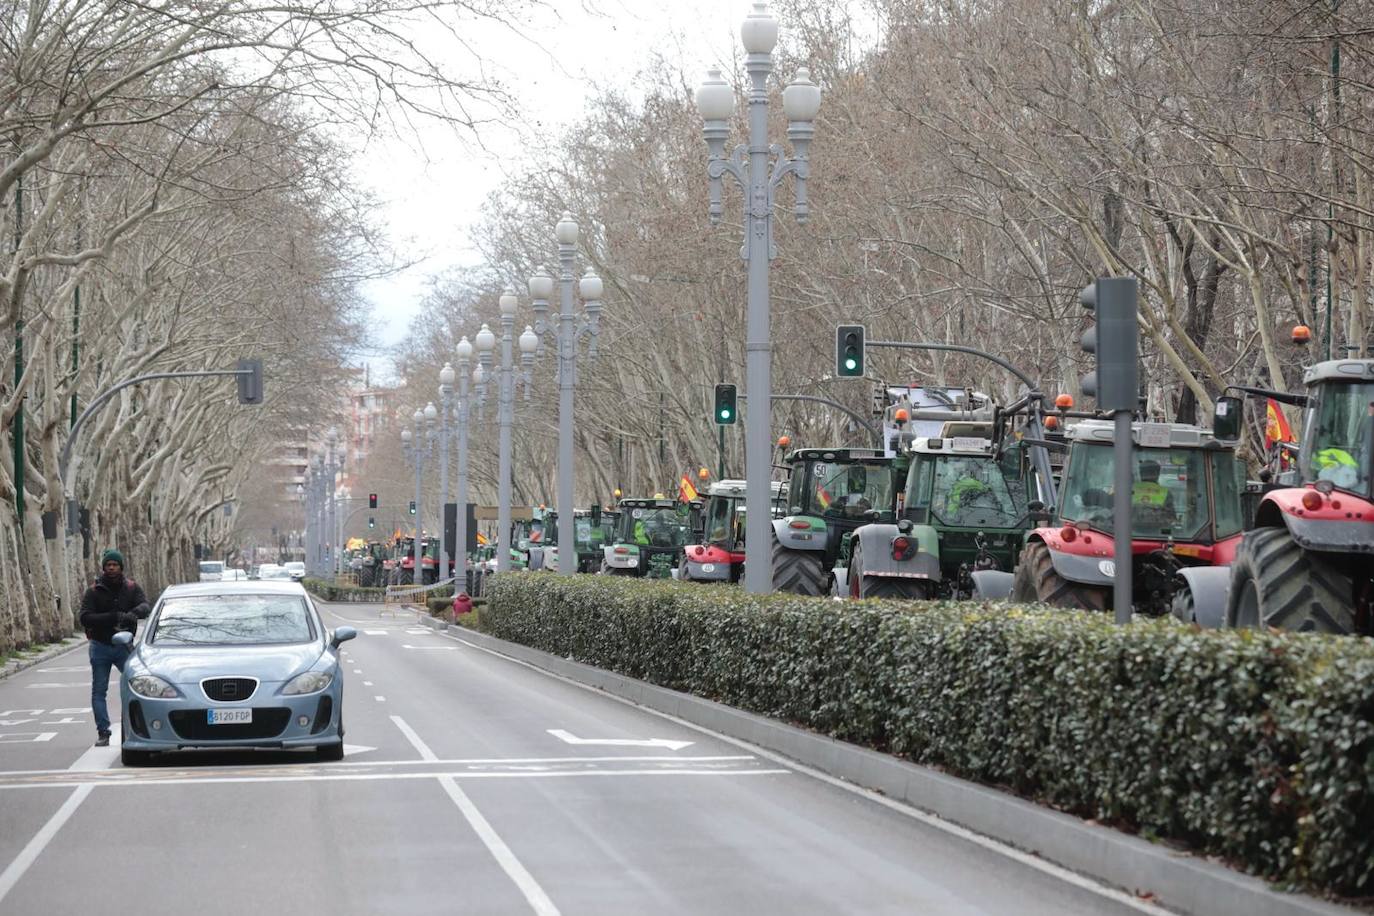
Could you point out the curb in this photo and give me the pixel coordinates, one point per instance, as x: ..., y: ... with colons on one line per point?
x: 15, y: 665
x: 434, y: 623
x: 1177, y: 879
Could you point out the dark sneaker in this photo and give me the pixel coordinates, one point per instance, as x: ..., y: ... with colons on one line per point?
x: 102, y: 739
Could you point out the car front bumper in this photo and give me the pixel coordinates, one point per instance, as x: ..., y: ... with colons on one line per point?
x: 181, y: 722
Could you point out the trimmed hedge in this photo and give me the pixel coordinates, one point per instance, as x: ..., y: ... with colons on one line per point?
x: 1255, y: 746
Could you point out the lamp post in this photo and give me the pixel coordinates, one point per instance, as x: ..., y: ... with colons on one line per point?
x: 461, y: 539
x: 758, y: 170
x: 302, y: 497
x: 333, y: 464
x: 529, y: 342
x: 417, y: 447
x: 446, y: 377
x: 570, y: 334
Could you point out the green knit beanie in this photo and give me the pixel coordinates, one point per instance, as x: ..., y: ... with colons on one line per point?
x: 114, y: 555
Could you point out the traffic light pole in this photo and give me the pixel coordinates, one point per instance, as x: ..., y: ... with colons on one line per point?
x: 252, y: 371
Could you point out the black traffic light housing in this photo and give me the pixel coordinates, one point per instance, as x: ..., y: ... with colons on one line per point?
x: 1113, y: 340
x: 412, y: 507
x: 372, y: 500
x: 849, y: 350
x: 250, y: 381
x: 371, y: 522
x: 727, y: 405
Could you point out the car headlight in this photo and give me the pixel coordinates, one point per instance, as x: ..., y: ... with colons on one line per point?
x: 146, y: 685
x: 309, y: 682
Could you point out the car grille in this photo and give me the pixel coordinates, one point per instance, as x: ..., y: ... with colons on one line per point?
x: 228, y: 689
x: 190, y: 724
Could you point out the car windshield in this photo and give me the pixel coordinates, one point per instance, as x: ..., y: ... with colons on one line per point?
x: 1341, y: 437
x: 1169, y: 493
x: 848, y: 490
x: 232, y: 620
x: 649, y: 527
x: 970, y: 491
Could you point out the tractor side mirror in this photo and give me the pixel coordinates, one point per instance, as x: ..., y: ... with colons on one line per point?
x: 1227, y: 418
x: 1037, y: 512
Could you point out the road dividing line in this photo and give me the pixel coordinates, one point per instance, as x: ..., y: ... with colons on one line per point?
x: 11, y: 875
x: 380, y: 699
x: 100, y: 758
x: 534, y: 894
x: 426, y: 754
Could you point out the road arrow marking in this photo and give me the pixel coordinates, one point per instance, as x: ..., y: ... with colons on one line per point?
x: 620, y: 742
x: 351, y: 749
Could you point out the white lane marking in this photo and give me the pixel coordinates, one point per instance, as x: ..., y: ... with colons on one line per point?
x: 335, y: 776
x: 65, y: 669
x: 357, y: 671
x: 27, y: 737
x: 367, y: 683
x: 534, y: 894
x: 419, y: 631
x: 380, y: 699
x: 99, y: 758
x: 570, y: 738
x: 376, y: 632
x: 46, y: 686
x: 15, y: 870
x: 415, y: 741
x: 455, y: 761
x: 1011, y: 852
x: 445, y: 648
x: 351, y: 749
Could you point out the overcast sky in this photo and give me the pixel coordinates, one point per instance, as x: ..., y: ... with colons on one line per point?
x: 553, y: 64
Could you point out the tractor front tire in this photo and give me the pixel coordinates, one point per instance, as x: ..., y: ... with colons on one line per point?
x: 861, y: 586
x: 1037, y: 582
x: 1276, y: 583
x: 797, y: 571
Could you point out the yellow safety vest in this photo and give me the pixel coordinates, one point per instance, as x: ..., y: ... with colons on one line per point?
x: 1149, y: 493
x: 1331, y: 458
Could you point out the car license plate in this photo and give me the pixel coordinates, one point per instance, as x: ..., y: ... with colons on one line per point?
x: 229, y: 716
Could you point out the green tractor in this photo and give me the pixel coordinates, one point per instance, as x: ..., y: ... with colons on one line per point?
x: 831, y: 493
x: 964, y: 510
x: 593, y: 529
x: 649, y: 538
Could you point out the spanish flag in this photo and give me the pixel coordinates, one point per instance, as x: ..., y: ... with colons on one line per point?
x: 1276, y: 428
x: 481, y: 539
x: 685, y: 491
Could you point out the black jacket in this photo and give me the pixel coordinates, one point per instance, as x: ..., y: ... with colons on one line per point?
x: 103, y: 606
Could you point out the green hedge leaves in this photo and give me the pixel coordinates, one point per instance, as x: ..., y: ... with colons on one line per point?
x: 1258, y: 747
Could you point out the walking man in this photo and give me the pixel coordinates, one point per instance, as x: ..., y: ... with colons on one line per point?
x: 113, y: 603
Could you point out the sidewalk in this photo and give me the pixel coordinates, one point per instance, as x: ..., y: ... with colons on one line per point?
x: 28, y: 658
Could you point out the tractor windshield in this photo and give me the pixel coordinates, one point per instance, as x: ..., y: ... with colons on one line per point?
x: 650, y: 527
x: 970, y: 491
x: 847, y: 490
x: 1169, y: 495
x: 1340, y: 447
x: 718, y: 519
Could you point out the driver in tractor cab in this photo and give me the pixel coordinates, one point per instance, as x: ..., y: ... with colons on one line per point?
x: 855, y: 503
x: 1148, y: 492
x: 640, y: 535
x: 967, y: 488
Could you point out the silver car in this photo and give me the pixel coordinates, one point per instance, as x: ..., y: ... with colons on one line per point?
x: 233, y: 665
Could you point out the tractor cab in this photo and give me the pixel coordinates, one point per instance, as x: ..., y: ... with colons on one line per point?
x: 1186, y: 510
x: 831, y: 492
x: 403, y: 570
x: 718, y: 555
x: 648, y: 539
x: 593, y: 529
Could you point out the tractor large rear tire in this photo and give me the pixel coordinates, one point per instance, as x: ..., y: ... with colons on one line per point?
x: 1037, y: 581
x: 800, y: 572
x: 1276, y: 583
x: 861, y: 586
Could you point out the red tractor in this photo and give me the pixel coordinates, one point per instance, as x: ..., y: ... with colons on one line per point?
x: 1185, y: 515
x: 1308, y: 562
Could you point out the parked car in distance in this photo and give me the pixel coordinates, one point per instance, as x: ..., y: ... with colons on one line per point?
x: 232, y: 665
x: 270, y: 571
x: 234, y: 575
x: 296, y: 569
x: 211, y: 570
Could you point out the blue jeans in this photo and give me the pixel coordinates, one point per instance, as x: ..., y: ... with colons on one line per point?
x: 103, y: 656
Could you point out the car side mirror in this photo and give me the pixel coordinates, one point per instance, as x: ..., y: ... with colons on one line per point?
x: 342, y: 634
x: 1226, y: 419
x: 123, y: 638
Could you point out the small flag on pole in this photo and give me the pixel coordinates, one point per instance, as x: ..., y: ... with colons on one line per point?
x: 685, y: 491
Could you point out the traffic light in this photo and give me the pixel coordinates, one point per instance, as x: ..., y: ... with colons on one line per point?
x: 727, y: 405
x: 372, y: 500
x: 412, y: 507
x: 371, y: 522
x: 849, y: 350
x: 250, y: 381
x: 1113, y: 340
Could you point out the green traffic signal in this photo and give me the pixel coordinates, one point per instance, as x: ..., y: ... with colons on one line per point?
x: 849, y: 350
x: 412, y: 507
x: 727, y: 408
x: 371, y: 522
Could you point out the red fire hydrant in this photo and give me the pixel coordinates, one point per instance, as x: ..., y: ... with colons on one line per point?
x: 462, y: 604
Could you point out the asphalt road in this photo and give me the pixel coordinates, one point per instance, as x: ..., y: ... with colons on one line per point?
x: 472, y: 784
